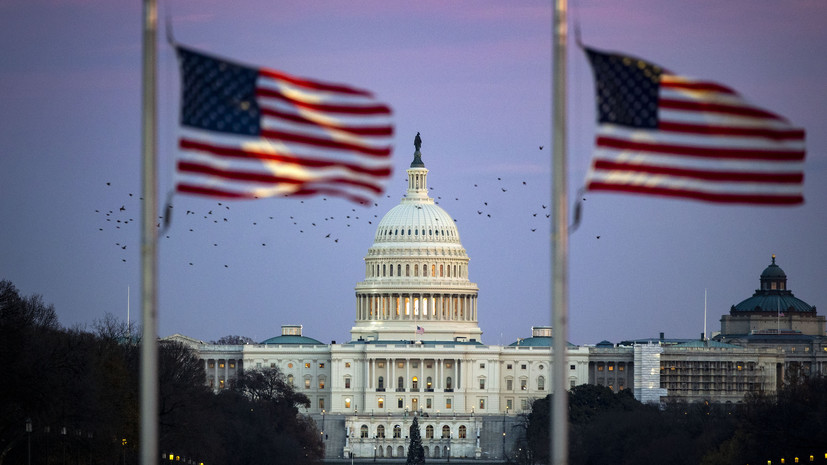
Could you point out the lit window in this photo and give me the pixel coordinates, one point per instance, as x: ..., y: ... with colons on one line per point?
x: 347, y: 364
x: 307, y: 365
x: 380, y: 364
x: 482, y: 404
x: 400, y: 365
x: 611, y: 367
x: 448, y: 402
x: 462, y: 432
x: 363, y: 431
x: 221, y: 365
x: 400, y: 402
x: 347, y: 402
x: 290, y: 380
x: 321, y: 403
x: 321, y: 383
x: 321, y: 365
x: 290, y: 365
x: 381, y: 404
x: 232, y: 364
x: 509, y: 404
x: 522, y: 385
x: 307, y: 383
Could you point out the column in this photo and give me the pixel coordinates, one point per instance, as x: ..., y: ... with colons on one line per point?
x: 215, y: 373
x: 407, y: 373
x: 438, y: 383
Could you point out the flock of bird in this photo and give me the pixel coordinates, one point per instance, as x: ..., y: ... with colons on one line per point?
x: 489, y: 202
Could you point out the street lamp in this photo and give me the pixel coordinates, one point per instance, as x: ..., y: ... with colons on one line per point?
x: 29, y: 434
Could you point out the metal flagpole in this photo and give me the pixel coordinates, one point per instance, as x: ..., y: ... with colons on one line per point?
x: 149, y: 252
x: 559, y: 240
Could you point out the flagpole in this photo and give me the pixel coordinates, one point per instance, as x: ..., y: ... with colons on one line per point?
x: 149, y: 252
x: 559, y: 239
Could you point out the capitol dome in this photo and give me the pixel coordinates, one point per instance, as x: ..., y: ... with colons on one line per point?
x: 773, y: 297
x: 416, y: 274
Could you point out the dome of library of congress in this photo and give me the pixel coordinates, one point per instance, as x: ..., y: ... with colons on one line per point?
x: 416, y: 274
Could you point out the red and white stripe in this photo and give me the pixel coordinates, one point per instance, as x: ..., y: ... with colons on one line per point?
x: 316, y: 138
x: 710, y: 145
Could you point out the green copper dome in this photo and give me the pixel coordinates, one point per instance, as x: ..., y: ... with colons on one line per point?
x: 773, y: 296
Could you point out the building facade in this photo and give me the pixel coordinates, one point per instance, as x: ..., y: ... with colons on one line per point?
x: 416, y: 350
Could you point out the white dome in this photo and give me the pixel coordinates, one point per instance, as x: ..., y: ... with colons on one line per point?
x: 418, y: 222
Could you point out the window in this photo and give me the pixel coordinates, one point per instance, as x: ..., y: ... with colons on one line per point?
x: 415, y: 383
x: 414, y: 364
x: 429, y: 432
x: 482, y: 404
x: 407, y: 270
x: 397, y: 431
x: 212, y: 364
x: 448, y: 365
x: 258, y: 364
x: 307, y: 383
x: 400, y: 402
x: 523, y: 366
x: 381, y: 382
x: 541, y: 383
x: 290, y: 380
x: 509, y: 404
x: 347, y: 364
x: 321, y: 403
x: 290, y: 365
x: 380, y: 364
x: 523, y: 384
x: 429, y: 403
x: 363, y: 431
x: 508, y: 366
x: 428, y: 383
x: 448, y: 384
x: 380, y: 403
x: 347, y: 383
x: 221, y: 384
x: 523, y: 404
x: 272, y: 365
x: 611, y: 367
x: 347, y: 402
x: 509, y: 385
x: 482, y: 365
x: 232, y: 364
x: 321, y: 383
x: 400, y: 383
x: 321, y: 365
x: 571, y: 367
x: 307, y: 365
x: 482, y: 383
x: 462, y: 432
x: 448, y: 403
x: 220, y: 364
x: 380, y: 431
x: 400, y: 365
x: 446, y: 431
x: 571, y: 384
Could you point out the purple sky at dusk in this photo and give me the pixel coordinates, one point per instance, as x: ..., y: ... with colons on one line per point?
x: 474, y: 79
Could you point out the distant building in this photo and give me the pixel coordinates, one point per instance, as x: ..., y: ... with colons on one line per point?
x: 416, y: 349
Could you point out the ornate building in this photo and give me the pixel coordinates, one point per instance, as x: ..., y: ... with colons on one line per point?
x: 416, y: 349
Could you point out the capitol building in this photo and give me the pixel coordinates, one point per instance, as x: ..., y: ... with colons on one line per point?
x: 415, y: 350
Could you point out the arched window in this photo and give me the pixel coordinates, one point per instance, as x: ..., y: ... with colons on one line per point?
x: 416, y: 270
x: 424, y: 269
x: 433, y: 270
x: 363, y: 431
x: 400, y: 383
x: 384, y: 270
x: 381, y: 382
x: 429, y: 383
x: 415, y: 383
x: 407, y: 270
x: 398, y: 270
x: 541, y: 383
x: 448, y: 383
x: 462, y: 432
x: 380, y: 431
x: 446, y: 432
x: 441, y: 273
x: 429, y: 432
x: 397, y: 431
x: 290, y: 380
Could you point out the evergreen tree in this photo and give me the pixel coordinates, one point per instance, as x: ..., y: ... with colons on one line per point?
x: 416, y: 453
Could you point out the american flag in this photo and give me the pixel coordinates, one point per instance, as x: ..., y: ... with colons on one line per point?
x: 420, y: 330
x: 664, y: 134
x: 254, y: 132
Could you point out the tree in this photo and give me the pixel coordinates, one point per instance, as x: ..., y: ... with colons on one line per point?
x: 233, y: 339
x: 416, y: 452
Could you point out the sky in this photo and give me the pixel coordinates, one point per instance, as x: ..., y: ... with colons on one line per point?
x: 474, y: 78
